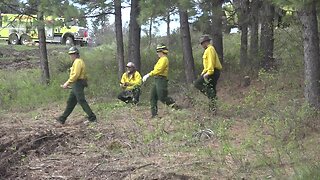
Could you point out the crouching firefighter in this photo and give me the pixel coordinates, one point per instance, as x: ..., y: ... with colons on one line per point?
x: 130, y: 82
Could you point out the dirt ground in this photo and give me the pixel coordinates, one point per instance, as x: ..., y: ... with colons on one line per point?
x: 42, y: 149
x: 35, y: 146
x: 14, y: 60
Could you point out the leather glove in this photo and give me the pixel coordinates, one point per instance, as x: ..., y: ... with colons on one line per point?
x: 145, y: 77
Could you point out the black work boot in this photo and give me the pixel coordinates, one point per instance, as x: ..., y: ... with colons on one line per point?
x: 60, y: 119
x: 154, y: 115
x: 92, y: 118
x: 213, y: 108
x: 154, y: 112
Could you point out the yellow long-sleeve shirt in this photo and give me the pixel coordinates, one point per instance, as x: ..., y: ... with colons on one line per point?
x: 210, y: 61
x: 133, y: 79
x: 161, y: 68
x: 77, y: 71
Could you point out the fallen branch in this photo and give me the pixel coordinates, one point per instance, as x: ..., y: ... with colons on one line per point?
x: 188, y: 164
x: 35, y: 168
x: 95, y: 167
x: 125, y: 170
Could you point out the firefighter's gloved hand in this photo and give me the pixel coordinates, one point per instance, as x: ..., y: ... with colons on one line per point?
x: 145, y: 77
x: 205, y: 77
x: 65, y: 85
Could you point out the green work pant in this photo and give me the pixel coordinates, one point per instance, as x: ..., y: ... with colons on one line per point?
x: 159, y: 91
x: 208, y: 87
x: 77, y: 96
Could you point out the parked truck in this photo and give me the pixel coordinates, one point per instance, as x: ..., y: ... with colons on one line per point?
x: 22, y: 29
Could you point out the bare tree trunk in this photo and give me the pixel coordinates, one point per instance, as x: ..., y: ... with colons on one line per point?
x: 267, y: 33
x: 168, y: 29
x: 150, y: 33
x: 308, y: 18
x: 244, y: 45
x: 217, y: 27
x: 45, y: 75
x: 134, y: 35
x: 119, y: 38
x: 254, y: 27
x: 187, y: 48
x: 242, y: 9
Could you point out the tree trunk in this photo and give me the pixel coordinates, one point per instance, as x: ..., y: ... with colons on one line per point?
x: 150, y: 33
x: 168, y: 29
x: 134, y: 35
x: 254, y: 27
x: 244, y: 45
x: 217, y: 27
x: 119, y: 38
x: 267, y: 39
x: 308, y: 18
x: 45, y: 75
x: 187, y: 48
x: 242, y: 10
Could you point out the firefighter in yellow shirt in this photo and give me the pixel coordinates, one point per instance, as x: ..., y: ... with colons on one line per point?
x: 159, y: 90
x: 207, y: 82
x: 130, y: 82
x: 77, y: 82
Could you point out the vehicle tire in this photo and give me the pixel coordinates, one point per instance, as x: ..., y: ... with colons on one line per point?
x: 69, y: 41
x: 83, y: 44
x: 25, y: 39
x: 13, y: 39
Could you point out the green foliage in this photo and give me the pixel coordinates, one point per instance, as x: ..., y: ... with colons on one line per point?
x: 56, y: 8
x: 22, y: 90
x: 232, y: 51
x: 289, y: 55
x: 102, y: 71
x: 152, y: 9
x: 292, y: 4
x: 99, y: 9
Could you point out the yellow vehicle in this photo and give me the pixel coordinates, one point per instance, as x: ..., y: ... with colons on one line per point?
x: 21, y: 29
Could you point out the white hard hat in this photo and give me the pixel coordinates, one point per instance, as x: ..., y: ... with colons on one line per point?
x: 130, y: 64
x: 73, y: 50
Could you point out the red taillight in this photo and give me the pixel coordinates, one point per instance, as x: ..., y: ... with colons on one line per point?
x: 85, y: 34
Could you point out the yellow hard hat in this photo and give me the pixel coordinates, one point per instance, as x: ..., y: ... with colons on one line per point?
x: 162, y: 48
